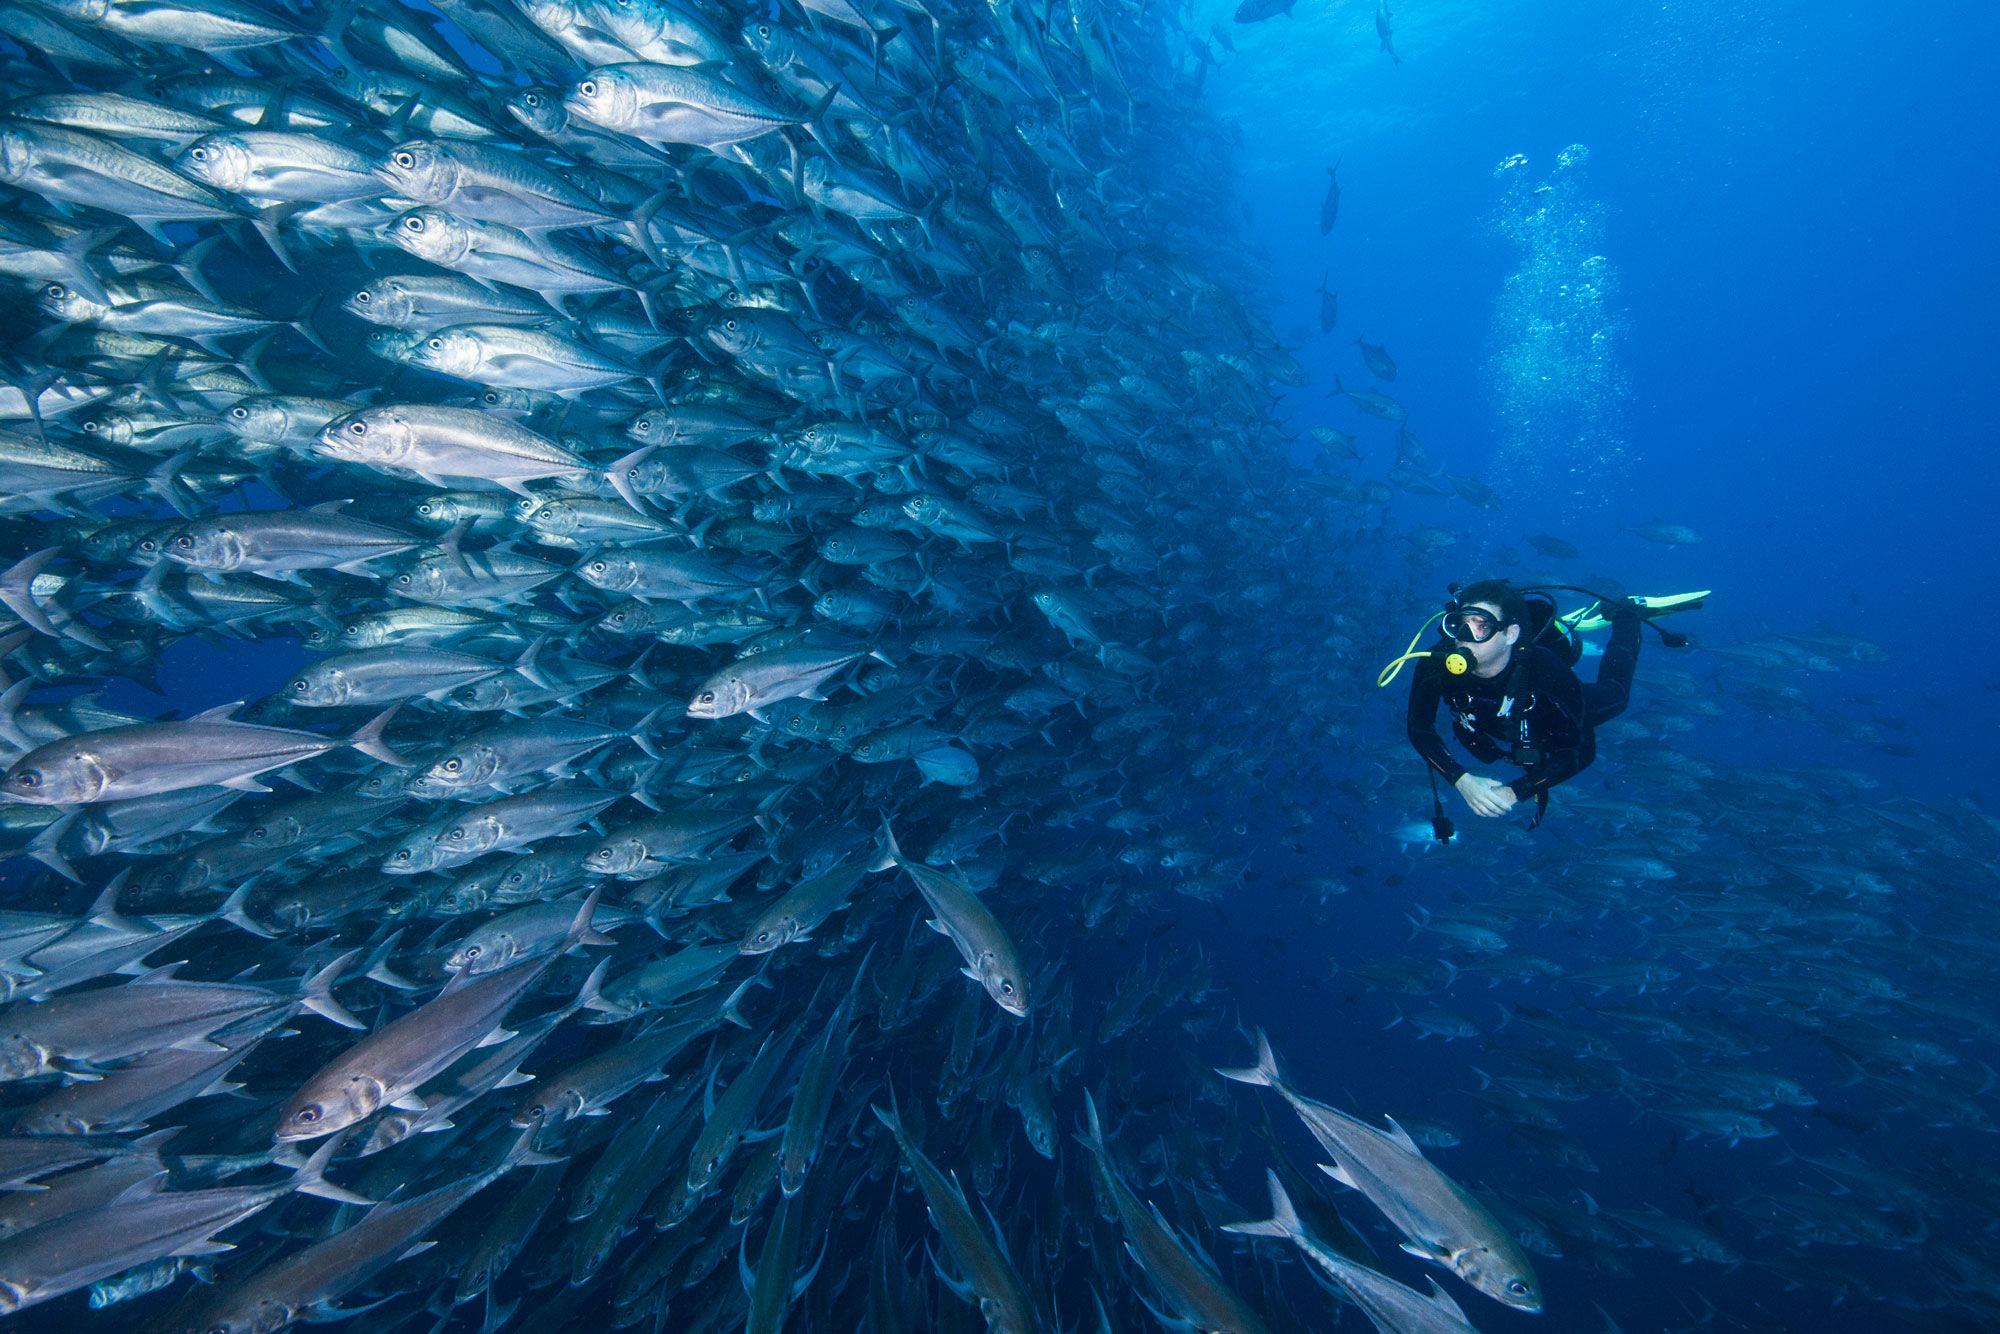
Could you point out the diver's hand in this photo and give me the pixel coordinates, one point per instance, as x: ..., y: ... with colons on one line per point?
x: 1618, y: 609
x: 1486, y: 796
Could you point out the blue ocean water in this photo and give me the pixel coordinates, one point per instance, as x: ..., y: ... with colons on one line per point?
x: 1719, y: 265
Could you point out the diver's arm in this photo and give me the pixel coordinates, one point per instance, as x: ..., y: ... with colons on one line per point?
x: 1568, y: 746
x: 1426, y: 693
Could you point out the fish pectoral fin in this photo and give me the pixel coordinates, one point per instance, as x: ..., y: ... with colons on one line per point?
x: 326, y: 1312
x: 1340, y: 1174
x: 1169, y: 1322
x: 1436, y: 1254
x: 496, y: 1037
x: 197, y: 1043
x: 409, y: 1102
x: 244, y: 785
x: 1442, y: 1300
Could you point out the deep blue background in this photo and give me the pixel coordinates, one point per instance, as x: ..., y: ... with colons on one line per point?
x: 1798, y: 201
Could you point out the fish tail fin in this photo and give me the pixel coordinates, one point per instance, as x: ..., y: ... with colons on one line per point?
x: 1284, y: 1219
x: 591, y: 996
x: 642, y: 732
x: 369, y: 739
x: 310, y: 1177
x: 16, y: 587
x: 376, y: 967
x: 521, y: 1153
x: 10, y: 705
x: 579, y: 927
x: 45, y: 848
x: 731, y: 1010
x: 619, y: 474
x: 316, y: 992
x: 892, y: 855
x: 889, y: 1117
x: 1264, y: 1073
x: 232, y: 911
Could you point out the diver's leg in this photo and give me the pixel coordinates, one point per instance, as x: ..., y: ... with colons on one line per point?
x: 1607, y: 697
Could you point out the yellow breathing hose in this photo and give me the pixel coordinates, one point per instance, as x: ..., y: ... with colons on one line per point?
x: 1395, y: 669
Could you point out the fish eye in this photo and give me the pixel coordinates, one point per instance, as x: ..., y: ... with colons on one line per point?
x: 413, y: 224
x: 29, y: 779
x: 239, y: 412
x: 361, y: 298
x: 597, y: 567
x: 1007, y: 988
x: 403, y: 159
x: 452, y: 766
x: 531, y: 99
x: 198, y: 154
x: 1518, y: 1288
x: 472, y: 951
x: 184, y: 542
x: 435, y: 344
x: 55, y: 291
x: 357, y: 428
x: 402, y: 854
x: 308, y: 1114
x: 706, y: 697
x: 588, y: 88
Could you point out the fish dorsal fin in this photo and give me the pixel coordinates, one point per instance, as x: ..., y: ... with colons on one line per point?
x: 221, y: 713
x: 1401, y: 1136
x: 1442, y: 1300
x: 156, y: 976
x: 143, y: 1188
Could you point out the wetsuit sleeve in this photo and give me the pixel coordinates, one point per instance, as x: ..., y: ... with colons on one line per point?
x: 1566, y: 740
x: 1426, y: 693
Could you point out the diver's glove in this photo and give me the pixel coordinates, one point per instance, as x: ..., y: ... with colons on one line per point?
x: 1620, y: 609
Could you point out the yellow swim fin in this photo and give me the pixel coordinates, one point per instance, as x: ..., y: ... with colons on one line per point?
x: 1588, y: 618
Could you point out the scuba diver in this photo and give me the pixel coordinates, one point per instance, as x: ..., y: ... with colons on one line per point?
x: 1504, y: 669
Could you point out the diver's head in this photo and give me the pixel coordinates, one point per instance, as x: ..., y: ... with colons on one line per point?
x: 1485, y: 622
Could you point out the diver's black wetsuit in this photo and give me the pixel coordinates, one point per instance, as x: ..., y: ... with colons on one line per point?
x: 1553, y: 714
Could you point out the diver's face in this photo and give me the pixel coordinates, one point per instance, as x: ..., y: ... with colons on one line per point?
x: 1490, y: 653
